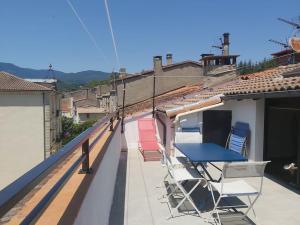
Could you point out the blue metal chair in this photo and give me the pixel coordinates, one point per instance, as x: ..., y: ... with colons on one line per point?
x: 237, y: 138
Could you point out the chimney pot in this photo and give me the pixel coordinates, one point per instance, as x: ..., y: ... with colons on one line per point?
x: 157, y: 63
x: 122, y: 73
x: 226, y: 44
x: 169, y: 58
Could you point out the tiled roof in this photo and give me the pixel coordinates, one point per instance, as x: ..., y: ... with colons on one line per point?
x: 66, y: 104
x: 268, y: 81
x: 90, y: 110
x: 9, y: 82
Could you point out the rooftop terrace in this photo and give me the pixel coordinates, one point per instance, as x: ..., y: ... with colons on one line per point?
x: 138, y: 192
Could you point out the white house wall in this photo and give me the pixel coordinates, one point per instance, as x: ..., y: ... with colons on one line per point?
x: 248, y: 111
x: 22, y: 134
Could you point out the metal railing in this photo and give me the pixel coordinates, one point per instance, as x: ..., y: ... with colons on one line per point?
x: 14, y: 192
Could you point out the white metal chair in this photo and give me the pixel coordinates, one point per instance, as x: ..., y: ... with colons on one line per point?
x: 237, y: 187
x: 179, y: 176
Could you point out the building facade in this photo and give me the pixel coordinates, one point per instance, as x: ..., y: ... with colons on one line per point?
x: 30, y: 125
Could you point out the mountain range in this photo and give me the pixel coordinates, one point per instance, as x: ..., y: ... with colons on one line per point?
x: 66, y: 80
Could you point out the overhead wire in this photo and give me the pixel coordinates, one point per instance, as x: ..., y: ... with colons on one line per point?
x: 112, y: 34
x: 91, y: 37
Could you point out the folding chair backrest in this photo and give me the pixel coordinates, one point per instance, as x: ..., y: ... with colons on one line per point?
x: 244, y: 169
x: 241, y: 129
x: 236, y: 143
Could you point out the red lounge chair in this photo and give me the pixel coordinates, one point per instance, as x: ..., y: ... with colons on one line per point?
x: 148, y: 144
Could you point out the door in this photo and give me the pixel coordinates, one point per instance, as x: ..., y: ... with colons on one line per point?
x: 216, y: 126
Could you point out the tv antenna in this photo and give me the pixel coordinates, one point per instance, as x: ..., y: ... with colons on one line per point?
x: 294, y: 41
x: 295, y: 25
x: 285, y: 45
x: 219, y: 46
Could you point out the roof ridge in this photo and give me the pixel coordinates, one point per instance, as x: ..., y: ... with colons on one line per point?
x: 27, y: 85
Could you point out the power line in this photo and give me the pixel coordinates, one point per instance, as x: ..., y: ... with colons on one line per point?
x: 112, y: 33
x: 87, y: 30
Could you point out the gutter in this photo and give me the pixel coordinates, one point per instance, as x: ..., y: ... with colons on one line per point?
x: 276, y: 94
x: 196, y: 107
x: 196, y: 111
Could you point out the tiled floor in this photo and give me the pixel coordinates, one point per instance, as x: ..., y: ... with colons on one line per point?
x: 136, y: 200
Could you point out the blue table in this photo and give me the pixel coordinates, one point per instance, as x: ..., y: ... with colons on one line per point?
x: 201, y: 153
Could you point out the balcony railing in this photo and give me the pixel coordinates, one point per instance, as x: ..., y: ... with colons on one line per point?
x: 14, y: 192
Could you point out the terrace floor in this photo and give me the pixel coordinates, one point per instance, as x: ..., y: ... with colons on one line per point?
x: 136, y: 199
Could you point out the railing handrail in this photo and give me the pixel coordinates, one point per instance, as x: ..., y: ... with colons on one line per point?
x: 12, y: 193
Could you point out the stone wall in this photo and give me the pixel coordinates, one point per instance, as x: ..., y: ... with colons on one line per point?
x: 140, y: 88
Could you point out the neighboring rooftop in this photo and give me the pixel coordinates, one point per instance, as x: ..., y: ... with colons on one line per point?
x: 279, y: 80
x: 9, y: 82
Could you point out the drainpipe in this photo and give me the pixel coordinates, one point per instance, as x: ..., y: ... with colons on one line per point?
x: 164, y: 129
x: 157, y: 68
x: 44, y: 125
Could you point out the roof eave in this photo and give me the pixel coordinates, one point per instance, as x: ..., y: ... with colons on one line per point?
x: 275, y: 94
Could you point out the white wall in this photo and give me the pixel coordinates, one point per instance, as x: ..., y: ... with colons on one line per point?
x: 21, y: 134
x: 95, y: 209
x: 248, y: 111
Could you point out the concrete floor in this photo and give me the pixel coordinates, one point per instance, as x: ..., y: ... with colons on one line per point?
x: 136, y: 199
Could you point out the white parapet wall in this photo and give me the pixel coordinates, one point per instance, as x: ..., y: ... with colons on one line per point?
x: 95, y: 209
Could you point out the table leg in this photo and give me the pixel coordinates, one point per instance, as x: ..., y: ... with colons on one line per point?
x: 206, y: 172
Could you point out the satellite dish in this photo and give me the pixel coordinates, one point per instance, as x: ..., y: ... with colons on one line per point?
x: 295, y: 43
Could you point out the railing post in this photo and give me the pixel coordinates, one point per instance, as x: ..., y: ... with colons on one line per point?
x: 85, y: 165
x: 111, y: 122
x: 118, y: 114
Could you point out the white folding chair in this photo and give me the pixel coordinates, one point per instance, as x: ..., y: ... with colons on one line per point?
x: 237, y: 187
x: 179, y: 176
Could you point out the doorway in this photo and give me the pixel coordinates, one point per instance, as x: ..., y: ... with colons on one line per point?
x: 282, y: 139
x: 216, y: 126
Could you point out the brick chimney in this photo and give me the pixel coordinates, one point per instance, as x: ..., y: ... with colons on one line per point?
x: 226, y: 44
x: 157, y: 64
x: 169, y: 58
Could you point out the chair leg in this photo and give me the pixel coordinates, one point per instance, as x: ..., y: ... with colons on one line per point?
x: 251, y: 205
x: 187, y: 196
x: 215, y: 210
x: 165, y: 177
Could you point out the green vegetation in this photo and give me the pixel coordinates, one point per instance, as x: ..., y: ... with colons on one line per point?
x: 247, y: 67
x: 71, y: 129
x: 95, y: 83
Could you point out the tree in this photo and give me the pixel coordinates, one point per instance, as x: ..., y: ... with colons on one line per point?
x: 247, y: 67
x: 71, y: 129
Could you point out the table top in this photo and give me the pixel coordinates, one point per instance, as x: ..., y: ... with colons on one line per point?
x: 208, y: 152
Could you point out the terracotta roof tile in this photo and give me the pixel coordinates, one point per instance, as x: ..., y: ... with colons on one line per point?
x: 9, y: 82
x: 271, y: 80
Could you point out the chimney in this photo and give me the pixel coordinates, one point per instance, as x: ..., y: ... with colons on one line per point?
x: 122, y: 73
x: 157, y: 64
x: 226, y: 44
x: 169, y: 58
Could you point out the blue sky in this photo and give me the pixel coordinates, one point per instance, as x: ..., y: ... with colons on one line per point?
x: 35, y: 33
